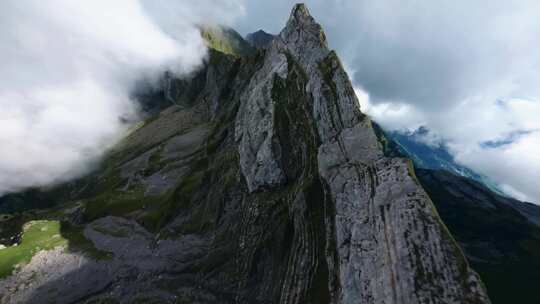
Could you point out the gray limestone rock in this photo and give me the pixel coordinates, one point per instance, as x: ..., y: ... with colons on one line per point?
x: 258, y: 146
x: 392, y: 247
x: 74, y: 277
x: 259, y: 39
x: 281, y: 194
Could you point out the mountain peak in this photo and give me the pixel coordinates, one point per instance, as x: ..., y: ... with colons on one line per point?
x: 259, y: 39
x: 301, y: 20
x: 303, y: 36
x: 300, y: 10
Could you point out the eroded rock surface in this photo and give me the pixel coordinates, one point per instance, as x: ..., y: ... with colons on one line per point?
x: 274, y: 189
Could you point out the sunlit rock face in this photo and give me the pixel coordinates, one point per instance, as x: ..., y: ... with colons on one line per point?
x: 261, y: 182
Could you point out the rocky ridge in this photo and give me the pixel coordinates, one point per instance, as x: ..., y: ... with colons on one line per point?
x: 262, y: 182
x: 259, y: 39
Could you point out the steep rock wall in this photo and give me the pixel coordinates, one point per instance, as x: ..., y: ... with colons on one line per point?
x: 262, y: 183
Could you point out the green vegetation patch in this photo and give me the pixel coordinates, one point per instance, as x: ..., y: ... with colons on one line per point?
x: 40, y: 235
x: 226, y: 40
x: 117, y: 203
x: 37, y: 235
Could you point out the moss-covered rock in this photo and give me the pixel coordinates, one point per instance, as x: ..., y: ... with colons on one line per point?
x: 226, y: 40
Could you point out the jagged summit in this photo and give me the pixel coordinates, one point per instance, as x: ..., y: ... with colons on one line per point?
x: 259, y: 39
x: 301, y: 14
x: 302, y: 29
x: 262, y: 182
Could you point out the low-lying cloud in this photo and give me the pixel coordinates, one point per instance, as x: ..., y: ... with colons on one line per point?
x: 68, y: 68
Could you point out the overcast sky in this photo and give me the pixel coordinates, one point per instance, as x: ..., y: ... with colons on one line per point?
x: 468, y: 70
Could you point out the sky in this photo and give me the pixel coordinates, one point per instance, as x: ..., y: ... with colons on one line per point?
x: 467, y: 70
x: 67, y: 73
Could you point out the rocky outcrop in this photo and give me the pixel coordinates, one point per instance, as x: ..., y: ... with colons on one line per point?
x: 391, y: 245
x: 75, y: 276
x: 254, y: 126
x: 259, y: 39
x: 263, y: 183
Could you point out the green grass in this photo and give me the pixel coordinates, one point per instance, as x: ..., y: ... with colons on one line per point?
x: 45, y: 235
x: 147, y: 210
x: 226, y: 41
x: 37, y: 235
x: 117, y: 203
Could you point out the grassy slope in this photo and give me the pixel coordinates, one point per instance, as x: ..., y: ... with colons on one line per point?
x: 37, y: 235
x: 226, y: 40
x: 40, y: 235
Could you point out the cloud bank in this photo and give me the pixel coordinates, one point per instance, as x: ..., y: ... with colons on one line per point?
x: 467, y: 70
x: 68, y: 68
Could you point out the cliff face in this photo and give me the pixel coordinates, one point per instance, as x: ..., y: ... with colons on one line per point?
x: 262, y: 182
x: 499, y: 235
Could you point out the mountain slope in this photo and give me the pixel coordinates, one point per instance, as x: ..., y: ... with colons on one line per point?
x: 433, y: 157
x: 500, y: 236
x: 261, y: 182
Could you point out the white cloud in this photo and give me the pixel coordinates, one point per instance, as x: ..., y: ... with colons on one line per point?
x: 513, y: 163
x: 68, y: 68
x: 514, y: 166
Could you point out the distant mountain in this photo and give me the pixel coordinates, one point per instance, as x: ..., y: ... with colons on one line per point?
x: 434, y: 156
x: 226, y: 41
